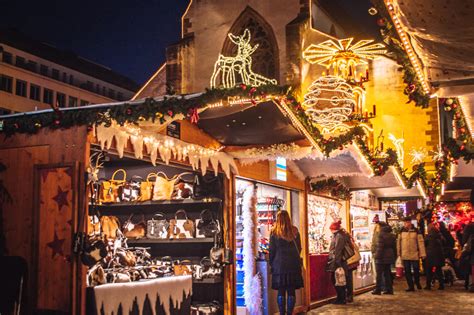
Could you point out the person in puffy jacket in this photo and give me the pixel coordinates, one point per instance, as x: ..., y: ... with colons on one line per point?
x: 384, y: 257
x: 434, y: 256
x: 285, y: 262
x: 410, y: 248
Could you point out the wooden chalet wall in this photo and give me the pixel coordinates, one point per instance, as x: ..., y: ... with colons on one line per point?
x: 20, y: 153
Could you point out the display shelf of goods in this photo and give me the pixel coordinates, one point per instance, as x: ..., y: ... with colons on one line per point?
x: 166, y: 214
x: 172, y: 240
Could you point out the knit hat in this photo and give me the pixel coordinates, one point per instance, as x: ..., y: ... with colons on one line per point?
x: 335, y: 225
x: 376, y: 219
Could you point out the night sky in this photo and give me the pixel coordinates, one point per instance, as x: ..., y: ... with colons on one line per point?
x: 129, y: 36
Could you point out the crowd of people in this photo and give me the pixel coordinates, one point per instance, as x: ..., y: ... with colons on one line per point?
x: 436, y: 250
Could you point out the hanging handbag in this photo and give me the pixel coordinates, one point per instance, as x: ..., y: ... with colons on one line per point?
x: 157, y: 227
x: 210, y: 308
x: 132, y: 230
x: 206, y: 226
x: 183, y: 189
x: 109, y: 225
x: 354, y: 260
x: 206, y: 186
x: 110, y: 189
x: 181, y: 228
x: 146, y: 188
x: 93, y: 251
x: 348, y: 251
x: 164, y: 186
x: 130, y: 191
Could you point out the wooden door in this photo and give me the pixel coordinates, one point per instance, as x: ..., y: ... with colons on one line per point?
x: 54, y: 273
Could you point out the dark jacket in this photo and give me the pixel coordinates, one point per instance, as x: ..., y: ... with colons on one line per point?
x: 336, y: 250
x: 466, y: 236
x: 285, y: 255
x: 386, y: 246
x: 449, y: 242
x: 434, y: 248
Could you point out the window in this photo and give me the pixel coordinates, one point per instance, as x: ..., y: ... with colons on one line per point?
x: 32, y: 66
x: 71, y: 79
x: 6, y: 83
x: 55, y: 74
x: 84, y: 103
x: 60, y: 99
x: 35, y: 92
x: 72, y: 101
x: 20, y: 61
x: 44, y: 70
x: 48, y: 96
x: 64, y: 77
x: 20, y: 88
x: 7, y: 57
x: 111, y: 93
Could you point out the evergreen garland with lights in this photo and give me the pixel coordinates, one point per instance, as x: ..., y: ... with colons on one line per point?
x: 331, y: 187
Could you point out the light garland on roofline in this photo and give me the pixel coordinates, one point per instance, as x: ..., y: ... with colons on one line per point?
x: 288, y: 151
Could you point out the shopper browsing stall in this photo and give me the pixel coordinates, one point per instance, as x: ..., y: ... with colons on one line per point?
x: 434, y: 256
x: 337, y: 261
x: 285, y: 261
x: 410, y: 248
x: 384, y: 258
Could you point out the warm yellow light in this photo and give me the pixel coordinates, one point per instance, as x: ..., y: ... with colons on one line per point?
x: 398, y: 176
x: 421, y: 189
x: 398, y: 143
x: 342, y: 55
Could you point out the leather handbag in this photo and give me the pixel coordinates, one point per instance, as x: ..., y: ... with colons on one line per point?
x: 206, y: 226
x: 206, y: 186
x: 164, y: 186
x: 157, y: 227
x: 183, y: 268
x: 109, y: 226
x: 210, y: 308
x: 146, y: 188
x: 348, y: 251
x: 126, y: 257
x: 110, y: 189
x: 354, y: 260
x: 132, y: 230
x: 94, y: 250
x: 181, y: 228
x: 130, y: 191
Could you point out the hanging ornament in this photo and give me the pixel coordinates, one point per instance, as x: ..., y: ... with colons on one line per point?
x: 329, y: 103
x: 447, y: 108
x: 129, y: 111
x: 373, y: 11
x: 449, y: 101
x: 57, y: 122
x: 410, y: 88
x: 381, y: 22
x: 38, y: 125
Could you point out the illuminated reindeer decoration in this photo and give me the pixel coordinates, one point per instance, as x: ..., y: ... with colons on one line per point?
x: 228, y: 67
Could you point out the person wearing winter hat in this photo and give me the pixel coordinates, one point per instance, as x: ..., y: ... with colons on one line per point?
x: 336, y: 258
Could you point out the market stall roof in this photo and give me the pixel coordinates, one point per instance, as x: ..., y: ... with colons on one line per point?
x: 264, y: 123
x: 442, y: 35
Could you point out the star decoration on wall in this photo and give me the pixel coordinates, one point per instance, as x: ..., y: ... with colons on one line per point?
x: 438, y: 154
x: 61, y: 198
x: 417, y: 156
x: 56, y: 245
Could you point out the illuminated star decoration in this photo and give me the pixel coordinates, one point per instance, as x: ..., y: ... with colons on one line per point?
x: 56, y: 245
x: 438, y: 154
x: 61, y: 198
x: 228, y: 69
x: 417, y: 156
x: 342, y: 55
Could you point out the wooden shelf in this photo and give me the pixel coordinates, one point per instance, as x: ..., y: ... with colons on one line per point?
x: 159, y: 202
x: 208, y: 280
x: 168, y: 241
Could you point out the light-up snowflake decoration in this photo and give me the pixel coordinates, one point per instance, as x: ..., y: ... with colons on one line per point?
x: 342, y: 56
x: 438, y: 154
x: 398, y: 143
x: 417, y: 156
x: 227, y: 70
x: 329, y: 102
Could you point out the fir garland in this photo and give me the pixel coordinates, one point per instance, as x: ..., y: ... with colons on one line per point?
x: 413, y: 89
x: 331, y: 187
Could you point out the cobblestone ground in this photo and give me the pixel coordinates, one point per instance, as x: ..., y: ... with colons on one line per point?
x: 453, y: 300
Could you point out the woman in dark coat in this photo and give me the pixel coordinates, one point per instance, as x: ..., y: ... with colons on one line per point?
x: 385, y: 256
x: 336, y: 258
x: 285, y: 262
x: 434, y: 256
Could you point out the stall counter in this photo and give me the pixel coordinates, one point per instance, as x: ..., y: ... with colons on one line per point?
x: 321, y: 286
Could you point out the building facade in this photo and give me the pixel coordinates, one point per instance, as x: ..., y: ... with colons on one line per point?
x: 35, y: 75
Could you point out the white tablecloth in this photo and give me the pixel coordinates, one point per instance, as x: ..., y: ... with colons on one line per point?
x: 110, y: 296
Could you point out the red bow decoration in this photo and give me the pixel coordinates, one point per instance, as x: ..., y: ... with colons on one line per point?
x: 194, y: 115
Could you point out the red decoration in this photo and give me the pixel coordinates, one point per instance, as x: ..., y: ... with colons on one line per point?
x: 194, y: 116
x: 381, y: 22
x: 243, y: 86
x: 253, y: 90
x: 170, y: 113
x: 57, y: 122
x: 129, y: 111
